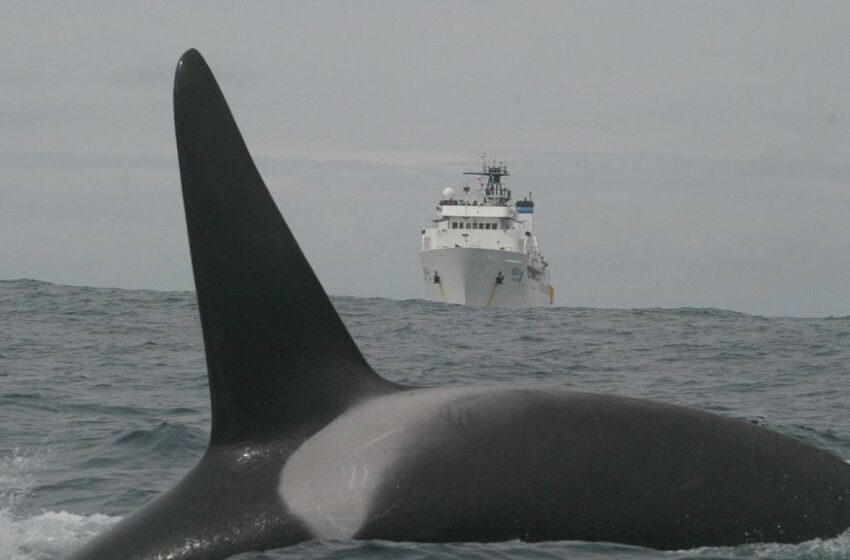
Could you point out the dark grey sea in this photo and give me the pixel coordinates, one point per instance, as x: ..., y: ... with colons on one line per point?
x: 104, y: 404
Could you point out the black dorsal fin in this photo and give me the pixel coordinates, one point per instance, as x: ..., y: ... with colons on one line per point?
x: 279, y: 358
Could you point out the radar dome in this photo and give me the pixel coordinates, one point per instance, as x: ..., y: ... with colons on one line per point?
x: 448, y: 193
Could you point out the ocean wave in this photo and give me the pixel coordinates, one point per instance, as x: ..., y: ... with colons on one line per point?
x: 47, y: 535
x: 105, y: 396
x: 837, y: 548
x: 50, y: 535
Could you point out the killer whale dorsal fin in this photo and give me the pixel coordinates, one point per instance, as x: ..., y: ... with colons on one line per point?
x: 278, y: 355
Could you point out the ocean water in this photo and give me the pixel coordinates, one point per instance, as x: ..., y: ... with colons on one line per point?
x: 104, y: 404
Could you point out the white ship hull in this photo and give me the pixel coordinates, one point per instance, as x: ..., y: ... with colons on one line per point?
x: 483, y: 278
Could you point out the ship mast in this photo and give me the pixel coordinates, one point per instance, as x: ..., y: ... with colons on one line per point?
x: 495, y: 193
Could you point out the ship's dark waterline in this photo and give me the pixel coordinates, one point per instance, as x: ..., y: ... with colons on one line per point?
x: 104, y: 403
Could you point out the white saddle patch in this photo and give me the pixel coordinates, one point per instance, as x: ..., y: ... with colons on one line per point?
x: 332, y: 478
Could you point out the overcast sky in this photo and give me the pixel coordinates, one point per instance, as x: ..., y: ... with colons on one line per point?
x: 680, y: 153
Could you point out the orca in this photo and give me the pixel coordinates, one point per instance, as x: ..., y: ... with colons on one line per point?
x: 308, y: 442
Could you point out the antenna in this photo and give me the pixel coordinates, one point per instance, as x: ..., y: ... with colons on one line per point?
x: 495, y: 192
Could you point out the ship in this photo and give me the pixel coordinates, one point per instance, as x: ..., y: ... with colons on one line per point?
x: 480, y: 250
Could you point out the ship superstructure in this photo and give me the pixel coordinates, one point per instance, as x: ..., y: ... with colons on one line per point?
x: 480, y: 249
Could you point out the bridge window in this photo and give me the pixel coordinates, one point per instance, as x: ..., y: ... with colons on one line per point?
x: 468, y: 225
x: 454, y: 225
